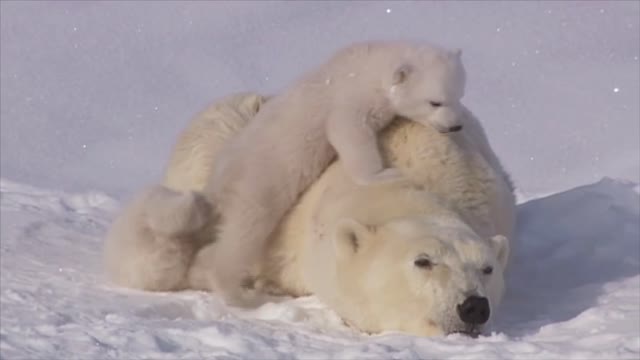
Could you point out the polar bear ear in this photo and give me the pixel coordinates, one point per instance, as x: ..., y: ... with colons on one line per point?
x: 349, y: 237
x: 500, y: 244
x: 401, y: 73
x: 457, y: 53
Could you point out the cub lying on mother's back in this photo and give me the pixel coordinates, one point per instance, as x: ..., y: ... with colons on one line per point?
x: 335, y: 110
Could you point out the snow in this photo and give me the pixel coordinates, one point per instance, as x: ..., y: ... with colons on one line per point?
x: 93, y: 94
x: 55, y: 303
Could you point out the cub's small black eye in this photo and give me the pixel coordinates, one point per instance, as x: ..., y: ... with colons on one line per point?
x: 435, y: 103
x: 423, y: 262
x: 487, y: 270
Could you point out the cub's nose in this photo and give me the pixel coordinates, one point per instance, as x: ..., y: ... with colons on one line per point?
x: 474, y: 310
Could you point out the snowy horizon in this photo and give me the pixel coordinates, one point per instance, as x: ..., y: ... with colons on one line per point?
x: 94, y: 94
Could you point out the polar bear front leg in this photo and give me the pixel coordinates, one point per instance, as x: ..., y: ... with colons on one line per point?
x: 354, y: 137
x: 240, y: 248
x: 259, y: 289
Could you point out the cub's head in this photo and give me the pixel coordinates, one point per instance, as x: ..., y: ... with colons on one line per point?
x: 422, y: 276
x: 427, y: 86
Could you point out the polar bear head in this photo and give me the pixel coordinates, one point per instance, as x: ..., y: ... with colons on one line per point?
x: 424, y: 276
x: 427, y: 85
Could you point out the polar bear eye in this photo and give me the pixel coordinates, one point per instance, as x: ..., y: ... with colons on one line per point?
x: 423, y: 262
x: 487, y: 270
x: 435, y: 103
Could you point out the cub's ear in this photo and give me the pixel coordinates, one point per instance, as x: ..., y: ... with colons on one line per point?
x: 401, y: 74
x: 457, y: 53
x: 349, y: 237
x: 500, y: 245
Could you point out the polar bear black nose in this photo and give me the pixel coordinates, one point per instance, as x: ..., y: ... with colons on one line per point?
x: 474, y: 310
x: 455, y: 128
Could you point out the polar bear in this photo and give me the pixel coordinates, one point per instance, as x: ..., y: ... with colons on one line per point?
x: 392, y: 257
x: 425, y: 257
x: 336, y: 109
x: 405, y: 262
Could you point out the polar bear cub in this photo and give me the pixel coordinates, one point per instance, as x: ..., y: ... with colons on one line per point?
x: 335, y: 110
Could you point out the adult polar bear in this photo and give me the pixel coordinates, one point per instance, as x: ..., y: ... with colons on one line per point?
x: 425, y: 257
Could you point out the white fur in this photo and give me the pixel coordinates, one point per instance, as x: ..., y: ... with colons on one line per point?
x: 194, y: 154
x: 457, y: 206
x: 151, y: 244
x: 261, y: 172
x: 407, y: 298
x: 453, y: 209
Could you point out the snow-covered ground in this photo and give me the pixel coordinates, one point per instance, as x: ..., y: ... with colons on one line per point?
x: 93, y: 95
x: 573, y: 294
